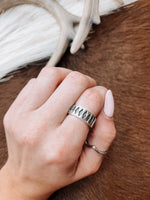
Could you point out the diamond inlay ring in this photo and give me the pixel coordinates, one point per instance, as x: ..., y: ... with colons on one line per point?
x: 82, y: 113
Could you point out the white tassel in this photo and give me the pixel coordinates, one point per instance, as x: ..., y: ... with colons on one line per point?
x: 29, y: 33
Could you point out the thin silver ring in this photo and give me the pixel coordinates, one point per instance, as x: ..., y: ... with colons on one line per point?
x: 95, y: 148
x: 82, y: 113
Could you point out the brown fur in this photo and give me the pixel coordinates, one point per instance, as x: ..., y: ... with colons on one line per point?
x: 118, y: 57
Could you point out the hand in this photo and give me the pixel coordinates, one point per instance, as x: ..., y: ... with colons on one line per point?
x: 46, y: 148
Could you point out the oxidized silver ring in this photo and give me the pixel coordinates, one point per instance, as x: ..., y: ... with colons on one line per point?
x: 82, y: 113
x: 95, y: 148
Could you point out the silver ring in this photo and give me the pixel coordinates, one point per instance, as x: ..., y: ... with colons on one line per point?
x: 82, y: 113
x: 95, y: 148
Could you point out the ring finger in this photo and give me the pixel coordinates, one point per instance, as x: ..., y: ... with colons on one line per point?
x: 92, y: 100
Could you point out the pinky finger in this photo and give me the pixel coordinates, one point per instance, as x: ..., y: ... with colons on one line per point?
x: 101, y: 136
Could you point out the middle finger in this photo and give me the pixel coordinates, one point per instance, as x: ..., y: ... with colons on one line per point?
x: 65, y: 95
x: 92, y: 100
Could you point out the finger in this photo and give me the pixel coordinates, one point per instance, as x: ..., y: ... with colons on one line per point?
x: 101, y: 136
x: 47, y: 82
x: 66, y: 94
x: 40, y: 89
x: 93, y: 101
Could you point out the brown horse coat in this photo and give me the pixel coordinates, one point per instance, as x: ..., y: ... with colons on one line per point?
x: 118, y: 57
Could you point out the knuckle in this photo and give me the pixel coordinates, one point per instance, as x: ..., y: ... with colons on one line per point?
x: 102, y: 90
x: 50, y: 71
x: 93, y: 81
x: 78, y: 77
x: 31, y: 81
x: 56, y: 156
x: 28, y: 86
x: 95, y: 94
x: 114, y: 132
x: 92, y: 95
x: 44, y: 70
x: 55, y: 73
x: 47, y: 69
x: 60, y: 155
x: 110, y: 136
x: 6, y: 120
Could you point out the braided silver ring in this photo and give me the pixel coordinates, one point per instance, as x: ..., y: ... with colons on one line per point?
x: 95, y: 148
x: 82, y: 113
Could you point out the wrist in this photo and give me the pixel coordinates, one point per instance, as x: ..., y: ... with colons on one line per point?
x: 11, y: 187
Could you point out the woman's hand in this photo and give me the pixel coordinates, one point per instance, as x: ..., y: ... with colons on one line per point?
x: 46, y: 148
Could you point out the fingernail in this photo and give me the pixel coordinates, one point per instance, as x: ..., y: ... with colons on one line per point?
x: 109, y: 104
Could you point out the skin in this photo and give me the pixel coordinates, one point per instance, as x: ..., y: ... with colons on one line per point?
x: 41, y: 136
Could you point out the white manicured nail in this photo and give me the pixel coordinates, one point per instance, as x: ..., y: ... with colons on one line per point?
x: 109, y: 104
